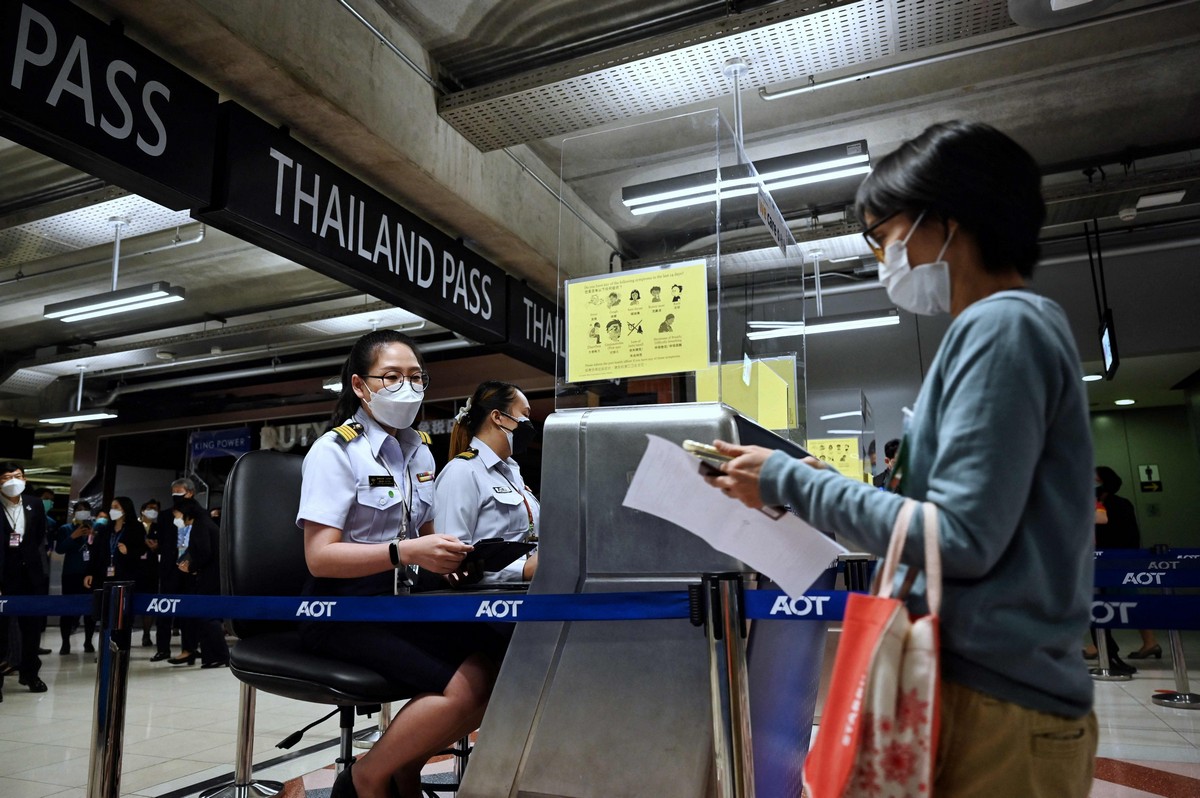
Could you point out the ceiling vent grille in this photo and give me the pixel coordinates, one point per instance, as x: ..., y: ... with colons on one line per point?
x: 784, y: 42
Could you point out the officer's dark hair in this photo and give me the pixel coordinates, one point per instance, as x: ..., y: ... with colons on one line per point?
x: 971, y: 173
x: 891, y: 447
x: 127, y: 507
x: 489, y: 396
x: 8, y: 466
x: 83, y: 504
x: 149, y: 503
x: 1108, y: 479
x: 359, y: 361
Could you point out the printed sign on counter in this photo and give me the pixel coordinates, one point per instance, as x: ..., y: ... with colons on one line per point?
x: 637, y: 323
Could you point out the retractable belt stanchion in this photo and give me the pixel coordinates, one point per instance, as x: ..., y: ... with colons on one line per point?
x: 721, y: 608
x: 112, y: 673
x: 1182, y: 698
x: 368, y: 738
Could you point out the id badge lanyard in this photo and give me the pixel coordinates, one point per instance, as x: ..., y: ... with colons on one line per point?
x: 406, y: 575
x: 530, y: 535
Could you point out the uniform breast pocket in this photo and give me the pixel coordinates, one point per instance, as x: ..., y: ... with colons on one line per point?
x: 378, y: 514
x: 423, y: 502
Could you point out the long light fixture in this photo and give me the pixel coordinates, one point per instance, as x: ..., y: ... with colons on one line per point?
x: 764, y: 330
x: 98, y: 414
x: 786, y: 171
x: 114, y: 301
x: 143, y: 296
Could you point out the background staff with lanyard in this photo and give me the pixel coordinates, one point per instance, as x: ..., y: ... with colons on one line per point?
x: 366, y: 508
x: 480, y: 492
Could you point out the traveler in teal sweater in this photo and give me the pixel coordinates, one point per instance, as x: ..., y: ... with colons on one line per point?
x: 999, y: 441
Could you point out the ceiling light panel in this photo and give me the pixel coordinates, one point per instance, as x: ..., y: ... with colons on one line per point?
x: 90, y: 226
x: 784, y: 41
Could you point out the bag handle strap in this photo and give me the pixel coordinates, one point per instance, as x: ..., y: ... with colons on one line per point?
x: 885, y: 577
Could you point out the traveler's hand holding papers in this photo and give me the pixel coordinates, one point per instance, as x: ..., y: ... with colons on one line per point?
x: 786, y: 549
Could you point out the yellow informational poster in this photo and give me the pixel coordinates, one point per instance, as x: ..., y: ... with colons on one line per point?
x: 841, y: 453
x: 636, y: 323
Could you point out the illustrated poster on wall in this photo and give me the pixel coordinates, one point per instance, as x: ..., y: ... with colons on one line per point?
x: 636, y: 323
x: 840, y: 453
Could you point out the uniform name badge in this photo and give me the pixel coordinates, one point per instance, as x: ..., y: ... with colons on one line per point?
x: 110, y: 571
x: 14, y: 538
x: 87, y: 555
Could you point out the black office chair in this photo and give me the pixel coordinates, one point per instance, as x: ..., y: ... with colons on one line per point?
x: 262, y: 554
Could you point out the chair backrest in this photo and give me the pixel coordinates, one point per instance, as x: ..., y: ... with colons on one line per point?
x: 262, y: 549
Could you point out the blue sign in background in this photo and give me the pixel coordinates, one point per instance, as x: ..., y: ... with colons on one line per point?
x: 220, y: 443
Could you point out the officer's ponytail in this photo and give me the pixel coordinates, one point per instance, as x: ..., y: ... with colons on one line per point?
x: 359, y: 361
x: 489, y: 396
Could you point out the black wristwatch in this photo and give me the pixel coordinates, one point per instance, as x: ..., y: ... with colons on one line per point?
x: 394, y: 552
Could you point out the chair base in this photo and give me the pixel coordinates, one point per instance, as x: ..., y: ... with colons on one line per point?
x: 255, y: 789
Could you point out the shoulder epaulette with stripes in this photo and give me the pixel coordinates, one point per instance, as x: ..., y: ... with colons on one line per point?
x: 425, y: 437
x: 349, y: 431
x: 469, y: 454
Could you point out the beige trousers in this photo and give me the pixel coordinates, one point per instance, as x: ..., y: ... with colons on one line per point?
x: 988, y: 747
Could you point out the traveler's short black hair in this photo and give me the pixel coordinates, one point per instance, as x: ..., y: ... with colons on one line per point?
x: 969, y: 172
x: 1108, y: 479
x: 891, y: 447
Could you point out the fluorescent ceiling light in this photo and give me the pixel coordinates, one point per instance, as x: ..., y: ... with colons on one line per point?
x: 333, y: 384
x: 110, y: 302
x: 785, y: 329
x: 82, y: 415
x: 847, y: 414
x: 1123, y: 402
x: 1092, y: 377
x: 843, y: 432
x: 1156, y: 200
x: 787, y: 171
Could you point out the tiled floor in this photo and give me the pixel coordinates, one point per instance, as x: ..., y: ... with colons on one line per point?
x: 181, y: 722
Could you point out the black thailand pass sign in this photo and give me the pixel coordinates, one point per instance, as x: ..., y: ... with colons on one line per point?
x: 279, y: 194
x: 78, y: 90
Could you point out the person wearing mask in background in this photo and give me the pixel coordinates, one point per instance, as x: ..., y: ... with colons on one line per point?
x: 22, y: 570
x: 1117, y: 528
x: 74, y: 543
x: 197, y: 558
x: 46, y: 496
x: 1000, y: 447
x: 146, y: 578
x: 480, y: 493
x: 889, y: 463
x: 168, y: 571
x: 367, y: 508
x: 116, y: 547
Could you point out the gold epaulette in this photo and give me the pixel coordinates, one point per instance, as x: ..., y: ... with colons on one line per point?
x: 469, y: 454
x: 425, y: 437
x: 349, y: 431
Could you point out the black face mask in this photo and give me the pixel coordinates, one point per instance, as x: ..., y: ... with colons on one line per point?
x: 522, y: 435
x: 1100, y: 491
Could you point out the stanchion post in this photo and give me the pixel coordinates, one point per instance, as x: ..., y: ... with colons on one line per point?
x: 857, y: 573
x: 112, y: 673
x: 725, y: 622
x: 1182, y: 698
x: 368, y: 738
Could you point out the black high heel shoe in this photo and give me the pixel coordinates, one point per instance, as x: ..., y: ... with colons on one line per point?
x: 190, y: 659
x: 1145, y: 653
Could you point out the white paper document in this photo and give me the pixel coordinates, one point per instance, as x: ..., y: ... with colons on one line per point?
x: 668, y: 485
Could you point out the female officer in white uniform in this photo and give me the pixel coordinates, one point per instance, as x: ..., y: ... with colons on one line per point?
x: 480, y: 493
x: 367, y: 507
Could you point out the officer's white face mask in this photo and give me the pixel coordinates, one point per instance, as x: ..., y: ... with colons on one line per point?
x: 922, y: 289
x: 150, y: 515
x: 397, y: 410
x: 179, y: 524
x: 83, y: 515
x: 13, y: 487
x: 116, y: 515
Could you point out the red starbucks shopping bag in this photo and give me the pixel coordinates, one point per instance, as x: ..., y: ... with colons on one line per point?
x: 878, y: 732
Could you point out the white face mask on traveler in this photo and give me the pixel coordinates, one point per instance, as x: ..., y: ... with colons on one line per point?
x: 13, y: 487
x: 923, y: 289
x: 395, y: 409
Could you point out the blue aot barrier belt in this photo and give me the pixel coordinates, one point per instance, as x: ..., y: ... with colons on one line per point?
x: 1116, y: 611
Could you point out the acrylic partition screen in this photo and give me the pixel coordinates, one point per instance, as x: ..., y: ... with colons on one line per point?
x: 705, y: 259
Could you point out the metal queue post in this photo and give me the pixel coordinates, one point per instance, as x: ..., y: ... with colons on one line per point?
x: 112, y: 676
x: 1182, y: 698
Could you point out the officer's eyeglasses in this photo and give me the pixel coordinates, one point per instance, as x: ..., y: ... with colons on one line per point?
x: 393, y: 381
x: 869, y: 235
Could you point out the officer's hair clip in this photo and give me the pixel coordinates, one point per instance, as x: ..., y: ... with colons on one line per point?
x: 462, y: 414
